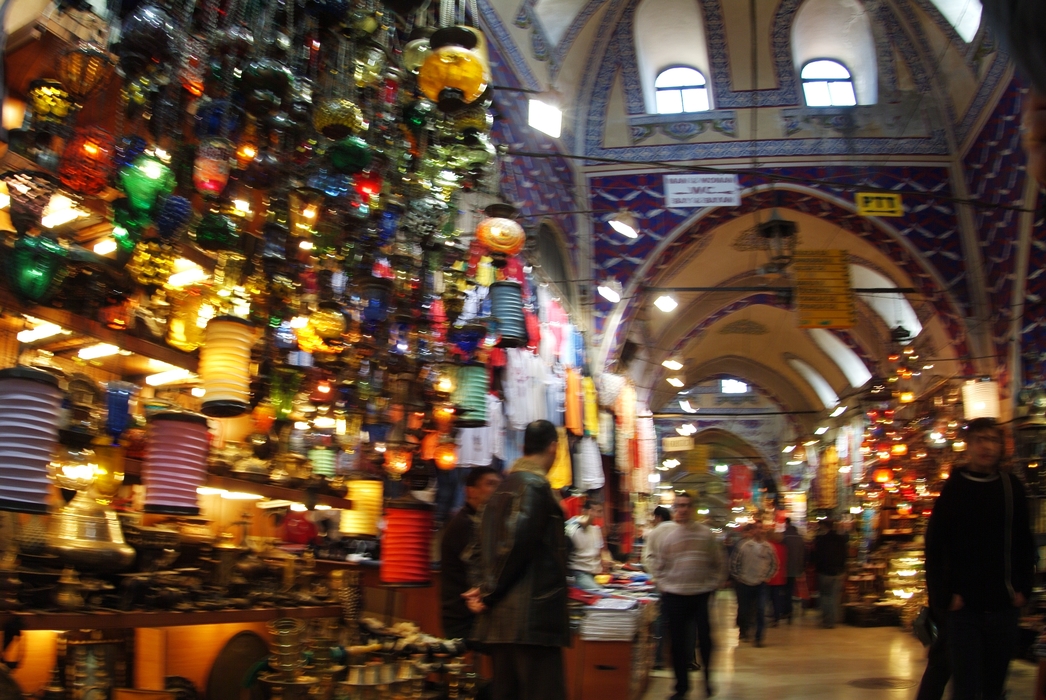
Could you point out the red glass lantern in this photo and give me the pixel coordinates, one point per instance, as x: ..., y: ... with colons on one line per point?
x: 87, y: 161
x: 214, y: 158
x: 405, y: 549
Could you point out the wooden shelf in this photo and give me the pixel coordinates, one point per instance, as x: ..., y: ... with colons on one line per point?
x: 275, y: 492
x: 129, y: 620
x: 94, y: 329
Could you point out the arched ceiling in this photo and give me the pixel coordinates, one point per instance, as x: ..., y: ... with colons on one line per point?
x: 733, y: 328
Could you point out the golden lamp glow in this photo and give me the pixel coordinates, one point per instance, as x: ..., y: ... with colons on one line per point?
x: 883, y: 476
x: 899, y: 450
x: 907, y: 397
x: 446, y: 456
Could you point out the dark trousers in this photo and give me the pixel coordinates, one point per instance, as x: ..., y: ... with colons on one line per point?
x: 660, y: 630
x: 938, y: 665
x: 684, y: 614
x: 751, y: 607
x: 527, y: 672
x: 981, y: 645
x: 782, y: 600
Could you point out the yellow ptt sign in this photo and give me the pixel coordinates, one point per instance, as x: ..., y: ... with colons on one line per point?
x: 879, y: 204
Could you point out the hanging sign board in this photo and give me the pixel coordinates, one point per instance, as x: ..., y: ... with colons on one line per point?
x: 680, y: 443
x: 695, y: 461
x: 879, y: 204
x: 696, y: 190
x: 822, y: 289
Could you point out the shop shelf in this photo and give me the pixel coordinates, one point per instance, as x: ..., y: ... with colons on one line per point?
x: 275, y: 492
x: 130, y: 620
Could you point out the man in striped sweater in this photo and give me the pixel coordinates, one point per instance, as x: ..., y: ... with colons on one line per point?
x: 688, y: 567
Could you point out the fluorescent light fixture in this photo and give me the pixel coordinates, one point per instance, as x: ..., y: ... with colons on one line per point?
x: 794, y: 462
x: 324, y: 423
x: 788, y: 449
x: 209, y: 491
x: 845, y: 469
x: 733, y: 386
x: 169, y: 377
x: 624, y: 222
x: 702, y: 511
x: 105, y: 246
x: 322, y: 506
x: 856, y: 510
x: 199, y: 392
x: 298, y: 507
x: 610, y: 290
x: 666, y: 303
x: 42, y: 331
x: 305, y: 245
x: 545, y: 117
x: 839, y: 410
x: 810, y: 442
x: 301, y: 425
x: 671, y: 463
x: 685, y: 405
x: 822, y: 430
x: 721, y: 468
x: 675, y: 381
x: 241, y: 207
x: 653, y: 478
x: 674, y: 365
x: 94, y: 352
x: 159, y: 365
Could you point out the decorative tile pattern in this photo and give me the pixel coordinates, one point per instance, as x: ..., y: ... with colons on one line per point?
x: 1033, y: 328
x: 996, y: 174
x: 535, y: 185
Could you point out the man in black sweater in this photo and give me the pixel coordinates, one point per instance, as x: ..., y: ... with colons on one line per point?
x: 460, y: 553
x: 829, y: 558
x: 980, y: 564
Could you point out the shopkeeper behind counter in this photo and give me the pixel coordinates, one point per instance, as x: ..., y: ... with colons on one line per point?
x: 589, y: 555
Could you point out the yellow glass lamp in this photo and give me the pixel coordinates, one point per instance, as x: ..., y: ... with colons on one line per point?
x: 454, y: 77
x: 501, y: 235
x: 446, y: 456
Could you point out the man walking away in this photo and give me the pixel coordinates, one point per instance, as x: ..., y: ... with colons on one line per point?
x: 660, y: 521
x: 459, y: 553
x: 754, y: 563
x: 523, y: 589
x: 796, y: 546
x: 980, y: 564
x: 688, y: 568
x: 830, y: 552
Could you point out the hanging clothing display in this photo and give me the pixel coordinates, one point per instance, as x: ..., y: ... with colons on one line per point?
x: 607, y: 432
x: 610, y: 386
x: 474, y: 447
x: 561, y: 473
x: 496, y: 425
x: 588, y: 465
x: 591, y: 407
x: 646, y: 451
x: 572, y: 419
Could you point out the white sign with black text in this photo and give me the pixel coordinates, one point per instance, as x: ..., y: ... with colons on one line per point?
x: 695, y: 190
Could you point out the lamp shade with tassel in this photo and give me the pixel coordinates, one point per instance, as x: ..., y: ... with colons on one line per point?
x: 225, y: 366
x: 175, y: 462
x: 506, y: 304
x: 29, y: 403
x: 367, y: 496
x: 470, y: 395
x: 980, y: 400
x: 405, y: 549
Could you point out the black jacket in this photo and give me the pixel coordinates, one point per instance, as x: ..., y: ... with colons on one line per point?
x: 830, y: 553
x: 964, y: 543
x: 457, y: 551
x: 523, y: 564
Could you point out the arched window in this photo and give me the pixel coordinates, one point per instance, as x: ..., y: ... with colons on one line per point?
x: 681, y: 89
x: 667, y: 34
x: 964, y: 15
x: 835, y: 32
x: 827, y: 84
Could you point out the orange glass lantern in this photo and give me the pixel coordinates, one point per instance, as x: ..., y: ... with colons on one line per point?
x: 87, y: 161
x: 882, y: 476
x: 499, y: 233
x: 899, y: 449
x: 398, y: 458
x: 446, y: 456
x: 443, y: 416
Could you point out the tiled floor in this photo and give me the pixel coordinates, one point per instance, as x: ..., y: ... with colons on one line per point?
x: 802, y: 661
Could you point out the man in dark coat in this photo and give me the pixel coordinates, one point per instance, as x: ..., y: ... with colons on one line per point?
x: 980, y: 564
x: 459, y: 552
x: 523, y: 590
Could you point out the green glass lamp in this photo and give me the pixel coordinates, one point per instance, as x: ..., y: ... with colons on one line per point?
x: 217, y: 232
x: 36, y: 267
x: 144, y: 180
x: 351, y: 155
